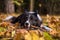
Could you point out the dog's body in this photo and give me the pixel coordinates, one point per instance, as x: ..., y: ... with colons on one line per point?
x: 30, y: 18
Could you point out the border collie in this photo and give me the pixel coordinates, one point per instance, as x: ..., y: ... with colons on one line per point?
x: 27, y: 19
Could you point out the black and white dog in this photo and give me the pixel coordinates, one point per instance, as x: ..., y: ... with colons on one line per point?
x: 27, y: 19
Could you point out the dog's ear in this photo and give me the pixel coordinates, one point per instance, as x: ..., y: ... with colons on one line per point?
x: 39, y: 17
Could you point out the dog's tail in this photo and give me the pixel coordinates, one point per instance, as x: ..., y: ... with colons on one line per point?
x: 8, y: 18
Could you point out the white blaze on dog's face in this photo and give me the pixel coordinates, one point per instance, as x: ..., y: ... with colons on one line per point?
x: 27, y: 23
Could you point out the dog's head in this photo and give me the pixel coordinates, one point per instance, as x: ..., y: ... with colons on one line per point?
x: 33, y: 19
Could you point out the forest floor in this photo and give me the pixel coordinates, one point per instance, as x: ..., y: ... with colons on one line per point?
x: 45, y: 18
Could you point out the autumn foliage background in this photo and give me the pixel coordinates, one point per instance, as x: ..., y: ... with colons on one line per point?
x: 7, y: 30
x: 49, y: 10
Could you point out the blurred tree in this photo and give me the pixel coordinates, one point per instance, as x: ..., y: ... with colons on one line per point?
x: 27, y: 4
x: 18, y: 5
x: 53, y: 6
x: 49, y: 6
x: 2, y: 5
x: 9, y: 6
x: 44, y: 6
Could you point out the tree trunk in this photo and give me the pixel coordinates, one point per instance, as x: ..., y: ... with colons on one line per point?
x: 31, y: 5
x: 2, y: 5
x: 9, y: 6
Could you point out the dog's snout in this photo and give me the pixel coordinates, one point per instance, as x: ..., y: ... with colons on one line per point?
x: 26, y: 23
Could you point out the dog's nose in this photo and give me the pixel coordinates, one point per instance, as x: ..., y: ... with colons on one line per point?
x: 26, y: 23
